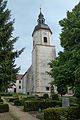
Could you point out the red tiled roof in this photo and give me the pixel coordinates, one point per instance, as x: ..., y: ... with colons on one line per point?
x: 19, y: 76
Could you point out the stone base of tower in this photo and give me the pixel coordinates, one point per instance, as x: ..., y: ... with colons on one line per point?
x: 42, y: 55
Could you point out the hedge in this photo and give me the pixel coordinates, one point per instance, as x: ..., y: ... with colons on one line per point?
x: 36, y: 105
x: 18, y: 102
x: 67, y: 113
x: 4, y: 108
x: 6, y: 94
x: 1, y: 101
x: 55, y: 97
x: 12, y: 99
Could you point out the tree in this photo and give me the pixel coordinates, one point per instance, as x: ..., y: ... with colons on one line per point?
x: 8, y: 68
x: 66, y: 67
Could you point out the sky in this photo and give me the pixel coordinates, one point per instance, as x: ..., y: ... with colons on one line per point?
x: 25, y: 13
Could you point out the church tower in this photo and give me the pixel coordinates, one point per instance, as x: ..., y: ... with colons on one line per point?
x: 43, y: 52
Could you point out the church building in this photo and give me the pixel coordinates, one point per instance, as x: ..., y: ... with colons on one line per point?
x: 36, y: 79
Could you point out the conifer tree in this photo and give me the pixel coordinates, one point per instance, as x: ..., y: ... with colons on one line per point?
x: 8, y: 68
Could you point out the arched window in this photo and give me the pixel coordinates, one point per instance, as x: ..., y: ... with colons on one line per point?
x: 45, y: 39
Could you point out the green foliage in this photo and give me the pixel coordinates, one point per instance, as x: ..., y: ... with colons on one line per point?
x: 8, y: 68
x: 6, y: 94
x: 17, y: 103
x: 55, y: 97
x: 40, y: 116
x: 66, y: 68
x: 1, y: 101
x: 12, y: 99
x: 51, y: 114
x: 45, y: 96
x: 67, y: 113
x: 70, y: 40
x: 36, y: 105
x: 4, y: 108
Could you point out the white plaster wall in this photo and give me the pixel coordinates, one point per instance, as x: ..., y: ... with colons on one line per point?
x: 34, y: 70
x: 40, y: 34
x: 27, y: 82
x: 12, y: 89
x: 44, y: 55
x: 17, y: 86
x: 24, y: 84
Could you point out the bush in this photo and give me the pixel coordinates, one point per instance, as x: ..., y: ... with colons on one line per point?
x: 6, y: 94
x: 36, y: 105
x: 12, y: 99
x: 4, y: 108
x: 45, y: 96
x: 1, y: 100
x: 29, y: 98
x: 40, y: 116
x: 55, y: 97
x: 18, y: 102
x: 67, y: 113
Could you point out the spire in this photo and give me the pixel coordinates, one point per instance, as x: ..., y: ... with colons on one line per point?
x: 41, y: 19
x: 40, y: 9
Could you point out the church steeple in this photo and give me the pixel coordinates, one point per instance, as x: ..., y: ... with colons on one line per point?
x: 41, y: 19
x: 41, y: 24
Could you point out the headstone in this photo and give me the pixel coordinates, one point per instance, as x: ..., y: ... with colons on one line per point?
x: 65, y: 102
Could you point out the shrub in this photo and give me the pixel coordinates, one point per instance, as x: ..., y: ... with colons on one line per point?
x: 55, y: 97
x: 12, y: 99
x: 18, y: 102
x: 36, y: 105
x: 40, y: 116
x: 51, y: 114
x: 45, y: 96
x: 30, y: 98
x: 6, y: 94
x: 67, y: 113
x: 1, y: 100
x: 4, y: 108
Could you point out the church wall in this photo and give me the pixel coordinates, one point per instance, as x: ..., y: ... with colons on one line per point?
x: 27, y: 81
x: 19, y: 86
x: 24, y: 84
x: 36, y: 80
x: 43, y: 55
x: 34, y: 70
x: 39, y: 35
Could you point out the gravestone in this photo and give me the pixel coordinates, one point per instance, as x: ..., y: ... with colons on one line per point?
x: 65, y: 102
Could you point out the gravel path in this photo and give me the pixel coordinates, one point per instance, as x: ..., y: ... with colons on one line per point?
x: 16, y: 113
x: 21, y: 115
x: 6, y: 116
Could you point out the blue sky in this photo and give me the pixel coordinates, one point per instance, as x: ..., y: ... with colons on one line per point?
x: 26, y: 13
